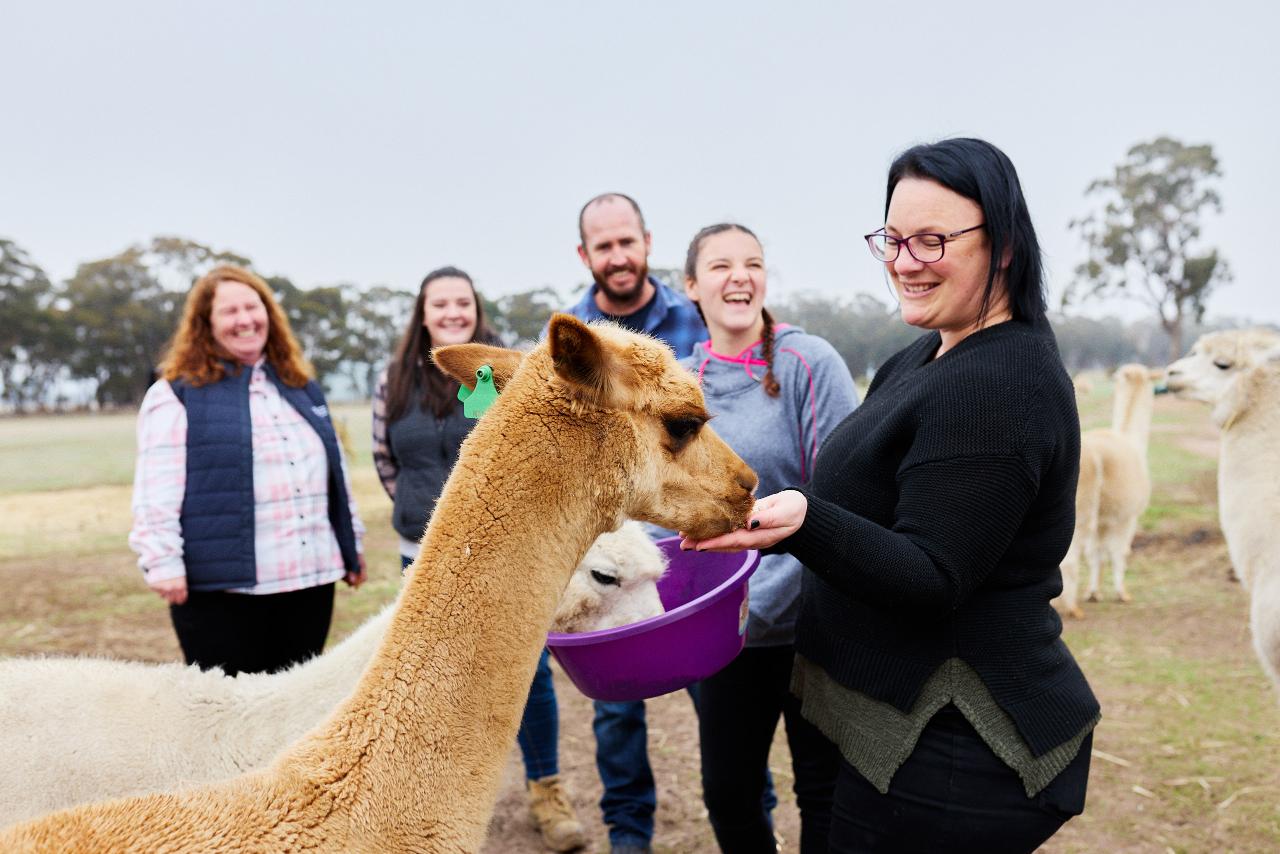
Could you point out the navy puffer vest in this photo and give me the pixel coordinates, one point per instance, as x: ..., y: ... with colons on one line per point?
x: 218, y: 508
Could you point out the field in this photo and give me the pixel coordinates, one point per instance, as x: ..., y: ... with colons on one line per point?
x: 1185, y: 756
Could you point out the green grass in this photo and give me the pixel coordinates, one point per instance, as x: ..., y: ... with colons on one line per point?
x: 1178, y: 483
x: 44, y: 453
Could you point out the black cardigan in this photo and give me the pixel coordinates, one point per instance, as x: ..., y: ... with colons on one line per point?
x: 939, y: 511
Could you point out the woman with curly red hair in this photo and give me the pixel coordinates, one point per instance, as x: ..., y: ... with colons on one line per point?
x: 243, y: 517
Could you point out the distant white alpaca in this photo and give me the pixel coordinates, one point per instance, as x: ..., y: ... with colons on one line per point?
x: 1239, y: 374
x: 1216, y: 359
x: 1114, y: 488
x: 1083, y: 386
x: 75, y: 730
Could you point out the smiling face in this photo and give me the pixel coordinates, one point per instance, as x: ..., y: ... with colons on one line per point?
x: 729, y: 286
x: 238, y: 319
x: 449, y: 311
x: 945, y: 295
x: 615, y: 248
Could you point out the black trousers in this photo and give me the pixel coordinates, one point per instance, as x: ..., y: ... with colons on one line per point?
x: 253, y: 634
x: 954, y: 794
x: 738, y: 713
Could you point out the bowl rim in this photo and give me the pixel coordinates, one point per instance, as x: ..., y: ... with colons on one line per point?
x: 750, y: 561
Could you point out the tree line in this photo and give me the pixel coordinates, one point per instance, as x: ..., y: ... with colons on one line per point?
x: 105, y: 328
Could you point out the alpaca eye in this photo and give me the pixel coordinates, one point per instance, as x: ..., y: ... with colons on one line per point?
x: 1221, y: 365
x: 605, y: 579
x: 682, y: 428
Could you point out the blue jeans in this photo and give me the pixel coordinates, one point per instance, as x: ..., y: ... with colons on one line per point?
x: 622, y: 758
x: 539, y: 734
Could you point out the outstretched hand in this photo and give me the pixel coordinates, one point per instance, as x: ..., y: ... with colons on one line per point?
x: 773, y: 519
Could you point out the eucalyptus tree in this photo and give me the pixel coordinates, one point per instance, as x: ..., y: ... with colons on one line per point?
x: 1144, y: 236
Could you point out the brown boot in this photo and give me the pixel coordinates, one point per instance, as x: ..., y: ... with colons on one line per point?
x: 553, y: 814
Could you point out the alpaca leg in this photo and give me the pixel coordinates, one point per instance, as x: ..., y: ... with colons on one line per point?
x: 1120, y: 547
x: 1068, y: 603
x: 1093, y: 557
x: 1264, y: 622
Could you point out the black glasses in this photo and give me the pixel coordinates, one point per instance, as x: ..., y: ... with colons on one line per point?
x: 926, y: 247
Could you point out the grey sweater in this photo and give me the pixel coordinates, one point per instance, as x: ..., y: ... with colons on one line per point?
x: 779, y: 438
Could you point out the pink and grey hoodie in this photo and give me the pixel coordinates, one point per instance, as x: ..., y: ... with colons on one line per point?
x: 779, y: 438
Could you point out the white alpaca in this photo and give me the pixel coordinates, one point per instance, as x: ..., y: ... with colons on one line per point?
x: 593, y: 425
x: 1114, y: 488
x: 1240, y: 377
x: 1083, y: 386
x: 1216, y: 359
x: 75, y: 730
x: 615, y: 585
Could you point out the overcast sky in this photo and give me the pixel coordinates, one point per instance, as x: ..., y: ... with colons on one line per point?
x: 371, y: 142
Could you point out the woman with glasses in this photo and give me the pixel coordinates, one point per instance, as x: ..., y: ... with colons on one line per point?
x: 933, y: 527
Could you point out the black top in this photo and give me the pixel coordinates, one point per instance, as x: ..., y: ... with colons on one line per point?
x: 425, y: 448
x: 938, y: 514
x: 637, y: 319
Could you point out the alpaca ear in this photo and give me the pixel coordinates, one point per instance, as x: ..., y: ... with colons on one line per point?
x: 461, y: 361
x: 583, y: 359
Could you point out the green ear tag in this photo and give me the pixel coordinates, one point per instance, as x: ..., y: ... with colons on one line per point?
x: 476, y: 402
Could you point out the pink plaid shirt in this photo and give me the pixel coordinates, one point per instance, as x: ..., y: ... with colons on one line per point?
x: 294, y: 543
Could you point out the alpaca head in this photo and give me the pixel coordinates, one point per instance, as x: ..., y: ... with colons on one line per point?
x: 640, y: 418
x: 1137, y: 376
x: 1216, y: 359
x: 615, y: 584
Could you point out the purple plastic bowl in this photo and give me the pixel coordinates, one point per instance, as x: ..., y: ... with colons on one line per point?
x: 703, y: 629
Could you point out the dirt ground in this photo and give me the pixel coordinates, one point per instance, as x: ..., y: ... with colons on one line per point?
x: 1185, y: 756
x: 106, y: 614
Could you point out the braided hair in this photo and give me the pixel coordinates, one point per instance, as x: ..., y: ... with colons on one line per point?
x: 770, y: 382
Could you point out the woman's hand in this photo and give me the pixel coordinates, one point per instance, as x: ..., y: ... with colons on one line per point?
x: 773, y: 519
x: 355, y: 579
x: 171, y: 590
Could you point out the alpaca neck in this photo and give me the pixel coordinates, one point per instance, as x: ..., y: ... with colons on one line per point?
x: 435, y: 714
x: 1131, y: 414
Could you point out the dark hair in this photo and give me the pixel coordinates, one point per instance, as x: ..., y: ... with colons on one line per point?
x: 770, y: 382
x: 411, y: 372
x: 582, y: 235
x: 979, y: 171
